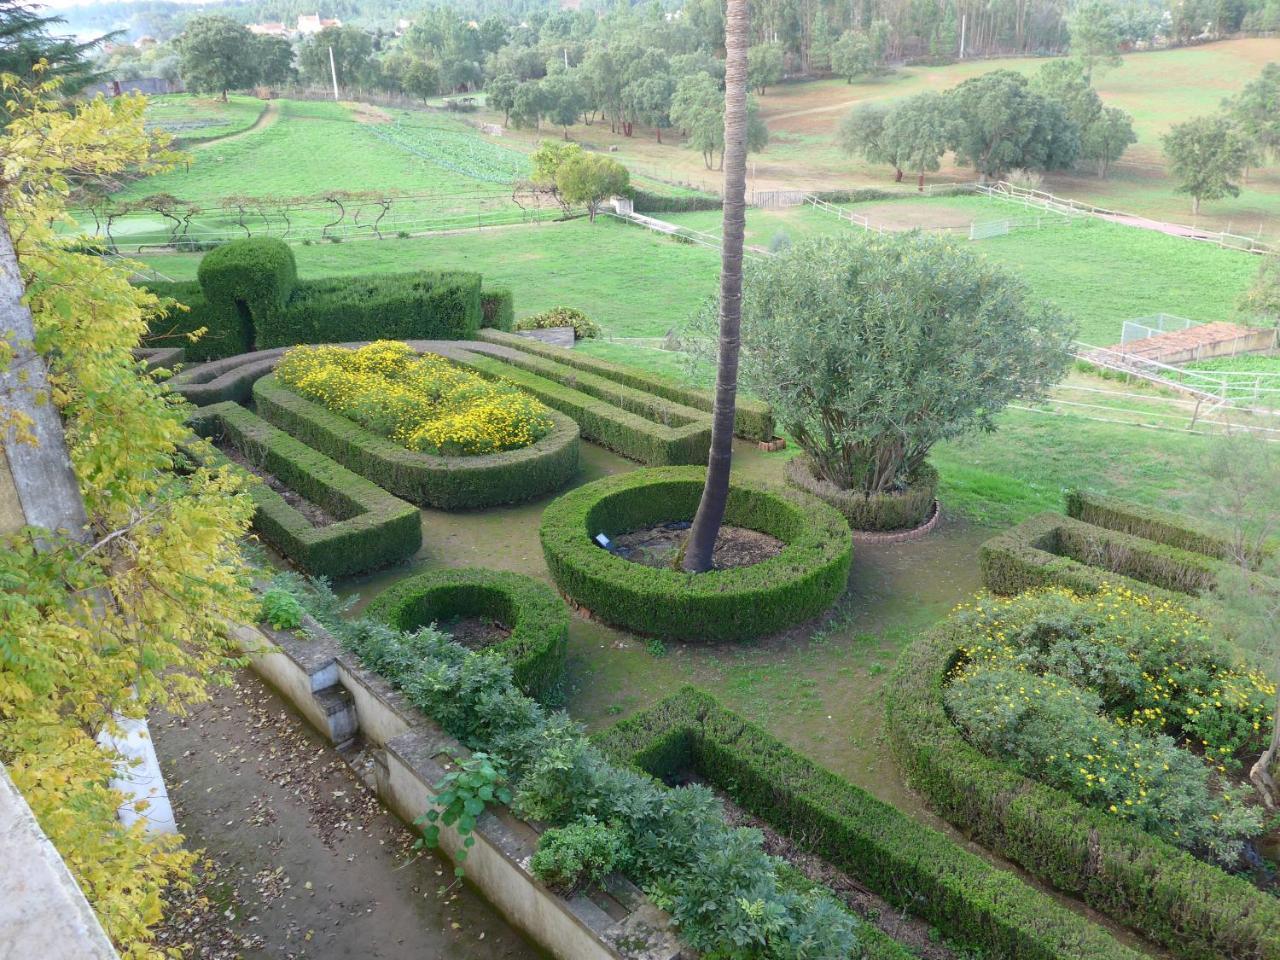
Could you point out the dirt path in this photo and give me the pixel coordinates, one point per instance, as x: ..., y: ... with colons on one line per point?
x: 308, y: 863
x: 269, y: 115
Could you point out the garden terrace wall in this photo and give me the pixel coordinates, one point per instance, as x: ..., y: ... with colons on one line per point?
x: 908, y: 864
x: 448, y: 483
x: 1194, y: 909
x: 409, y: 751
x: 373, y: 528
x: 537, y: 618
x: 231, y: 378
x: 737, y: 604
x: 752, y: 419
x: 634, y: 435
x: 1050, y: 549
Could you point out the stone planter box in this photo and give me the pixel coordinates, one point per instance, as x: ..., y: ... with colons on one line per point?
x: 411, y: 753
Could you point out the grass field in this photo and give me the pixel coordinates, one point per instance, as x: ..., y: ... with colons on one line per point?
x: 190, y: 118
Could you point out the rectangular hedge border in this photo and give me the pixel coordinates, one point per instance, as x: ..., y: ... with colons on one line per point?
x: 602, y: 422
x: 1196, y: 910
x: 905, y: 862
x: 1159, y: 526
x: 373, y: 528
x: 497, y: 308
x: 447, y: 483
x: 752, y: 419
x: 1052, y: 550
x: 231, y: 378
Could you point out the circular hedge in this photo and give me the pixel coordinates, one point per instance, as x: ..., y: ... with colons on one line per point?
x: 880, y: 512
x: 537, y: 618
x: 800, y: 582
x: 447, y: 483
x: 1194, y: 908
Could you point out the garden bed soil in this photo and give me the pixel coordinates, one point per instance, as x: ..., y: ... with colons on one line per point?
x: 476, y: 633
x: 316, y: 515
x: 657, y: 546
x: 912, y: 933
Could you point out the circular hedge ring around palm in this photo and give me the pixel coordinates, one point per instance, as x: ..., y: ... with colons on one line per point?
x: 537, y: 618
x: 737, y: 604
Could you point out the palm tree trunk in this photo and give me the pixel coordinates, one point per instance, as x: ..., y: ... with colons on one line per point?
x: 715, y: 494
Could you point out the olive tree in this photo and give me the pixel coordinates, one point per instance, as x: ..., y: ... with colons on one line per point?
x: 871, y: 349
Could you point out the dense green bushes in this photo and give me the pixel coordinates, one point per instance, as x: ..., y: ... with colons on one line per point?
x: 1050, y: 549
x: 1196, y: 910
x: 645, y: 201
x: 629, y: 422
x: 249, y: 295
x: 736, y: 604
x: 898, y: 510
x: 583, y: 326
x: 910, y: 865
x: 752, y: 419
x: 537, y: 618
x: 497, y: 308
x: 371, y: 528
x: 449, y: 483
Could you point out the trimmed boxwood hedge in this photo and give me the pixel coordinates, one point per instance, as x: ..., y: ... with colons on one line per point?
x: 537, y: 618
x: 252, y: 279
x: 904, y: 510
x: 497, y: 308
x: 1050, y: 549
x: 1159, y: 526
x: 229, y: 379
x: 226, y: 334
x: 631, y: 434
x: 646, y: 201
x: 448, y: 483
x: 803, y: 580
x: 907, y: 863
x: 752, y: 419
x: 1193, y: 908
x: 373, y: 528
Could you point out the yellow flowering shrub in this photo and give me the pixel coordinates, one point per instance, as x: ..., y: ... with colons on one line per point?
x: 423, y: 402
x: 1122, y: 701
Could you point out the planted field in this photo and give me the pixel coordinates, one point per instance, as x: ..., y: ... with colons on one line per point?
x: 190, y: 118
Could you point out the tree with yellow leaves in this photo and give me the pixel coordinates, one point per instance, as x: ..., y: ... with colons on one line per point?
x: 130, y: 618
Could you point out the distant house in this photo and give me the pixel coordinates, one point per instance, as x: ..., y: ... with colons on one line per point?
x: 270, y: 30
x: 311, y: 24
x: 151, y: 86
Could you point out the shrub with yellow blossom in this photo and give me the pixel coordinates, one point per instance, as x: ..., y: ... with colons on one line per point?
x: 1120, y: 700
x: 424, y: 402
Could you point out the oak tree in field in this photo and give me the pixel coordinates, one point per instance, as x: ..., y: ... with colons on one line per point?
x: 1205, y: 155
x: 500, y: 94
x: 648, y: 99
x: 764, y: 66
x: 861, y: 134
x: 697, y: 108
x: 218, y: 55
x: 858, y: 54
x: 352, y: 49
x: 273, y: 57
x: 590, y: 179
x: 1256, y: 112
x: 1095, y: 36
x: 1107, y: 138
x: 917, y: 133
x: 564, y: 98
x: 1002, y: 125
x: 715, y: 492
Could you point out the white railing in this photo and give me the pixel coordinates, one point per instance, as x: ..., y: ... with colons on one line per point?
x: 857, y: 219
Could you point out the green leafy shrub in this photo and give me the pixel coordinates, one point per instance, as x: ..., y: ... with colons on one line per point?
x: 736, y: 604
x: 372, y: 528
x: 497, y: 308
x: 752, y: 419
x: 461, y: 796
x: 583, y: 326
x: 281, y: 609
x: 1193, y: 908
x: 447, y: 483
x: 531, y: 610
x: 580, y: 854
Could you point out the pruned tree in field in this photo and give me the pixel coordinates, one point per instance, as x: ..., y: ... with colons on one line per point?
x: 917, y: 133
x: 649, y: 101
x: 500, y: 94
x: 858, y: 54
x: 1205, y: 155
x: 564, y: 98
x: 218, y: 55
x: 547, y: 161
x: 1095, y: 36
x: 764, y: 66
x: 590, y: 179
x: 528, y: 105
x: 419, y: 78
x: 1256, y: 112
x: 1107, y: 138
x: 737, y: 126
x: 1002, y: 125
x: 697, y: 108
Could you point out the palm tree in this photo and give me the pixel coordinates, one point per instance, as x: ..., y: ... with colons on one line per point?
x: 715, y: 494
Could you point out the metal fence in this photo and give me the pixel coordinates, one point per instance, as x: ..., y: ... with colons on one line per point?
x: 1143, y: 327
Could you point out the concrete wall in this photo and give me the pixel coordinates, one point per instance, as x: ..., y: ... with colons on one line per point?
x: 42, y: 911
x: 411, y: 754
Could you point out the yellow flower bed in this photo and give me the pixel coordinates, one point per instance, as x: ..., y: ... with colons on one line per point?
x: 423, y: 402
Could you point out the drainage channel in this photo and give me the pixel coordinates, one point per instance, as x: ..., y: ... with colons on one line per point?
x: 305, y: 860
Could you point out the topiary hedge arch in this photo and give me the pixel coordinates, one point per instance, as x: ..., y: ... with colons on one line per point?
x: 1196, y: 910
x: 799, y: 583
x: 447, y: 483
x: 537, y: 618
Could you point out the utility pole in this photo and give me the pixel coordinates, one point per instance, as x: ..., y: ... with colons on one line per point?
x: 964, y: 22
x: 333, y: 72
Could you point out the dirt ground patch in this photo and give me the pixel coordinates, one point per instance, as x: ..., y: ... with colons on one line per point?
x: 317, y: 515
x: 367, y: 112
x: 658, y: 546
x: 904, y: 215
x: 304, y: 862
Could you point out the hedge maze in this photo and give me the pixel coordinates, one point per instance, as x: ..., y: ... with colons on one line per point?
x: 371, y: 528
x: 905, y: 862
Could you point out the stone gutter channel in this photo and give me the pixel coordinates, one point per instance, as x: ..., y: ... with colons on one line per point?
x: 409, y: 754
